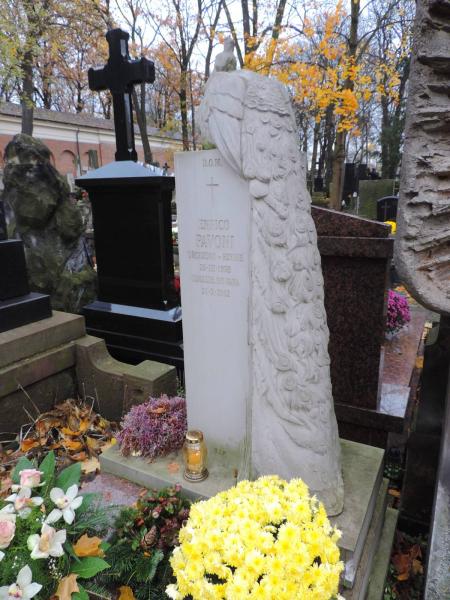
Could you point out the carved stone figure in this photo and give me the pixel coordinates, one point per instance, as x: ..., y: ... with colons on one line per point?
x: 422, y: 250
x: 293, y: 427
x: 39, y: 211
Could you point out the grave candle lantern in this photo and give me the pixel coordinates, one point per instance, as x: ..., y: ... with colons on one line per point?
x: 194, y: 454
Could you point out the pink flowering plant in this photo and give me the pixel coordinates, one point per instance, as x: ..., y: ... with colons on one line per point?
x: 40, y: 524
x: 154, y: 428
x: 398, y: 313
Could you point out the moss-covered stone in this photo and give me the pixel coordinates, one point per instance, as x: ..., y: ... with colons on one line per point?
x: 40, y: 212
x: 76, y: 289
x: 69, y: 222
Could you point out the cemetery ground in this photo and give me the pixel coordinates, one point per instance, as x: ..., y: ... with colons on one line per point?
x: 76, y: 433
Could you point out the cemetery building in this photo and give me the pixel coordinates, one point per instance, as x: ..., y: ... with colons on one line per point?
x: 81, y: 139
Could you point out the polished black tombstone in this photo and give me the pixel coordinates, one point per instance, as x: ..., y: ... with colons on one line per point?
x: 350, y: 183
x: 137, y: 312
x: 387, y: 208
x: 18, y: 306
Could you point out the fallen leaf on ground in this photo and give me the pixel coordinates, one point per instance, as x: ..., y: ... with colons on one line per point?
x: 79, y: 456
x: 126, y: 593
x: 88, y: 546
x: 394, y: 493
x: 67, y: 586
x: 402, y: 564
x: 28, y: 444
x: 91, y: 465
x: 173, y: 467
x: 417, y: 567
x: 74, y: 445
x: 419, y: 362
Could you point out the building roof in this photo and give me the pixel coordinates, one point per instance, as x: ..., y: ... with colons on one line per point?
x: 78, y: 119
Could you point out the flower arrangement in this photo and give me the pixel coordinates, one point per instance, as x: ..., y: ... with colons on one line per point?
x: 259, y: 540
x: 154, y: 428
x: 398, y: 313
x: 44, y: 532
x: 145, y: 535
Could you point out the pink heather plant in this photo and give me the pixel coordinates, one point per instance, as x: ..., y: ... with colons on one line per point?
x: 154, y: 428
x: 398, y: 314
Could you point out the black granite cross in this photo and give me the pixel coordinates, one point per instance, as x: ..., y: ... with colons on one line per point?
x: 119, y: 75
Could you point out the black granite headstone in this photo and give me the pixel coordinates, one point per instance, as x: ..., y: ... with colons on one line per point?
x: 3, y: 234
x: 387, y: 208
x: 137, y: 312
x: 18, y: 306
x: 363, y: 172
x: 350, y: 182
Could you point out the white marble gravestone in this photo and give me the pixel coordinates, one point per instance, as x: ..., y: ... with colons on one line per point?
x: 254, y: 323
x: 214, y: 235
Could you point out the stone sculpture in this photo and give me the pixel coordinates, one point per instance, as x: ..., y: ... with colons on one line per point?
x: 39, y: 212
x: 422, y: 254
x: 293, y: 427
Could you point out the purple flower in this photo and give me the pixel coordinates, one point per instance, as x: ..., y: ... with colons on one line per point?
x: 154, y: 428
x: 398, y: 314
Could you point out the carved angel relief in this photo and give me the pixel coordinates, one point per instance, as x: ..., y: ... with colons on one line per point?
x: 294, y: 432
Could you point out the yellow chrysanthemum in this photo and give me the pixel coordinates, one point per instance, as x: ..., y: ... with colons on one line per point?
x: 259, y: 540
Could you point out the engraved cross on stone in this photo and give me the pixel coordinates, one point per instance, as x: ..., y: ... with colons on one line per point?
x: 119, y: 75
x: 212, y: 185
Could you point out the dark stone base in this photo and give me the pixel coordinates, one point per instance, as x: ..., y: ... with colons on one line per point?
x: 14, y: 281
x: 367, y: 426
x: 133, y: 334
x: 23, y: 310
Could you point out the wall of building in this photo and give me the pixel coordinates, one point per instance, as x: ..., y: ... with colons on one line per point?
x: 67, y: 142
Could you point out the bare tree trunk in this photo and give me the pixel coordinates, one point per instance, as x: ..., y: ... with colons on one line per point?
x: 184, y: 111
x: 337, y: 180
x: 233, y: 34
x: 141, y: 118
x: 326, y: 154
x: 338, y: 170
x: 27, y: 93
x: 315, y: 145
x: 193, y: 125
x: 211, y: 41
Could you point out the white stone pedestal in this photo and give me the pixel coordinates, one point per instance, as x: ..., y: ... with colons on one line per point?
x: 214, y: 243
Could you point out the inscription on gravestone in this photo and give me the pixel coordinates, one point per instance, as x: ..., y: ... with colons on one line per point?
x: 215, y: 247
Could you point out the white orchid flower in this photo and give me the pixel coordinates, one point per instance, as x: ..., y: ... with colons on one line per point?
x: 8, y: 509
x: 24, y: 588
x: 66, y: 504
x: 23, y: 502
x: 49, y: 543
x: 2, y: 555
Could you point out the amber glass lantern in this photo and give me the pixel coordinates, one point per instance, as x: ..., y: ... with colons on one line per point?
x: 194, y: 454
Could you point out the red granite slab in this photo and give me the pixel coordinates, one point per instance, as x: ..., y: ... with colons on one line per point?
x: 333, y: 223
x: 114, y: 490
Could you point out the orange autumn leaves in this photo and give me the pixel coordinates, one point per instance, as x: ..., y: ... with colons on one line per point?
x: 321, y: 72
x: 73, y: 431
x: 88, y: 546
